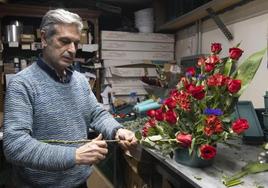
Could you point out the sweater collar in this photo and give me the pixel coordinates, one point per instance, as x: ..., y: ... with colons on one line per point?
x: 53, y: 74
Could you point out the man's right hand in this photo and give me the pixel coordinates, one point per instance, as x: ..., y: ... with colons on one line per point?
x: 92, y: 152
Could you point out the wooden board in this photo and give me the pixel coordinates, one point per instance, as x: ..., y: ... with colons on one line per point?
x: 130, y: 72
x: 113, y: 63
x: 127, y: 36
x: 137, y: 46
x: 130, y: 55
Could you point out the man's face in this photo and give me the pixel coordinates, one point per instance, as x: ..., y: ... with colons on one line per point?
x: 60, y: 49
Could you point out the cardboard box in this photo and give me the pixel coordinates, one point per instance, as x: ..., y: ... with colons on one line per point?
x: 97, y: 179
x: 128, y: 36
x: 27, y: 38
x: 38, y: 33
x: 9, y: 68
x: 84, y: 39
x: 85, y: 24
x: 137, y: 46
x: 131, y: 55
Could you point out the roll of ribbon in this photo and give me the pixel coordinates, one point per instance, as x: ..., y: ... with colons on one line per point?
x: 146, y: 107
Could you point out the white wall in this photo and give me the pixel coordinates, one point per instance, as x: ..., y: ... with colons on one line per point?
x: 252, y: 32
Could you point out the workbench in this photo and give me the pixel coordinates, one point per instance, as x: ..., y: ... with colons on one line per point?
x: 164, y: 172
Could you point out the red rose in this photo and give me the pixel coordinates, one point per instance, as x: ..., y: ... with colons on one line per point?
x: 209, y: 67
x: 170, y: 102
x: 171, y: 117
x: 216, y: 48
x: 150, y: 113
x: 190, y: 71
x: 185, y: 140
x: 159, y: 116
x: 233, y: 86
x: 196, y: 91
x: 213, y: 59
x: 207, y: 151
x: 235, y: 53
x: 216, y: 80
x: 240, y: 126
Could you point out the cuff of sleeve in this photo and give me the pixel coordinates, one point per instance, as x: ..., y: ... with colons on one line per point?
x: 115, y: 130
x: 70, y: 157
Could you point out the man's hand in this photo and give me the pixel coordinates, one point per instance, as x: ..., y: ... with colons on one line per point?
x: 127, y: 139
x: 92, y: 152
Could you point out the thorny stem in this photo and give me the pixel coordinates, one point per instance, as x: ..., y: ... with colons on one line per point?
x: 74, y: 142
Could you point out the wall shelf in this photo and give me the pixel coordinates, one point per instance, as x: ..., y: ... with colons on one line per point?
x: 195, y: 15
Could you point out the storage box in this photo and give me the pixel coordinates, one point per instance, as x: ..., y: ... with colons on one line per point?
x: 84, y: 39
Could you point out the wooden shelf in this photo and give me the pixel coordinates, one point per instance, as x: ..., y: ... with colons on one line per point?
x: 196, y: 14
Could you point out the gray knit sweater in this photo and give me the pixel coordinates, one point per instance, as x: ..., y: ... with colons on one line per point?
x: 39, y: 108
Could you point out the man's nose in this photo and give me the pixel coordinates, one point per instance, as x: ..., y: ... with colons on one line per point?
x: 72, y: 47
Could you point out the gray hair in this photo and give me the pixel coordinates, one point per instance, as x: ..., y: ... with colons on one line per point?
x: 59, y: 16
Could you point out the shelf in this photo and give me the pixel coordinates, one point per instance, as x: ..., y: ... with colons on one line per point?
x: 196, y: 14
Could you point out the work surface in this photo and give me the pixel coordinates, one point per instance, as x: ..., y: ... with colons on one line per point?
x: 227, y: 162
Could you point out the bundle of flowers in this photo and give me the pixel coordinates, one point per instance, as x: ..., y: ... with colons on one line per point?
x: 198, y: 112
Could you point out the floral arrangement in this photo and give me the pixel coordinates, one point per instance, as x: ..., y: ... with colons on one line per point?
x: 198, y: 112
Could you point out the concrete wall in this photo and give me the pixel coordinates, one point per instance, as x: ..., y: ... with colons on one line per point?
x: 248, y: 25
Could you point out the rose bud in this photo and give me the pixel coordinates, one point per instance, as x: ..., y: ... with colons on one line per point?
x: 233, y: 86
x: 216, y: 48
x: 235, y: 53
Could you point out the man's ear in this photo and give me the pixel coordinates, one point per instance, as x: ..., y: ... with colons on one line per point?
x: 43, y: 39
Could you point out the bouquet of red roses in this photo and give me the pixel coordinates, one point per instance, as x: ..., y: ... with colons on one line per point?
x: 198, y: 112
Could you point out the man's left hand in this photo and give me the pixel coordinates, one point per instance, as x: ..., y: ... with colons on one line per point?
x: 127, y: 139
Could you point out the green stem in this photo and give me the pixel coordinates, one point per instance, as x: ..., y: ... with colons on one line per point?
x: 233, y: 183
x: 235, y: 179
x: 73, y: 142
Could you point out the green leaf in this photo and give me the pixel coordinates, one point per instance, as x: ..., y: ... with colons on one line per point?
x: 138, y: 135
x: 250, y: 168
x: 247, y: 70
x: 152, y: 131
x: 198, y: 178
x: 155, y: 138
x: 199, y: 128
x: 228, y: 67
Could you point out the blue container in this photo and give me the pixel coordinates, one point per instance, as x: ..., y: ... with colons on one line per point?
x: 181, y: 155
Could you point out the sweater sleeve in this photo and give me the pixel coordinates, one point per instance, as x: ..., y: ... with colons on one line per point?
x: 20, y: 147
x: 101, y: 120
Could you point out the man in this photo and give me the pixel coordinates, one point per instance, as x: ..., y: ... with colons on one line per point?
x: 50, y: 101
